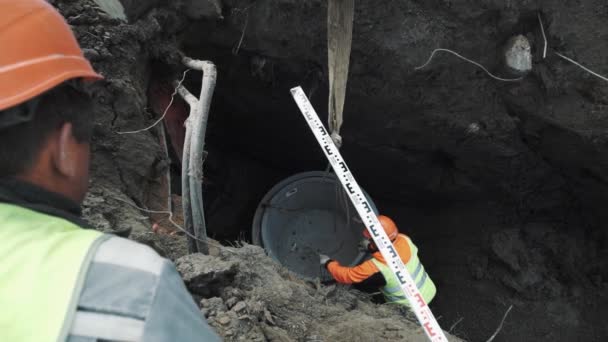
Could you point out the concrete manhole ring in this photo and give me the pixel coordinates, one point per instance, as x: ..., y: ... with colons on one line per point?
x: 304, y: 215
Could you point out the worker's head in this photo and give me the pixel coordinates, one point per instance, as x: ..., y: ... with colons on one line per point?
x: 389, y: 226
x: 45, y: 122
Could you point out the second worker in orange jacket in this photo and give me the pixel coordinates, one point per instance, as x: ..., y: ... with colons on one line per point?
x: 373, y: 274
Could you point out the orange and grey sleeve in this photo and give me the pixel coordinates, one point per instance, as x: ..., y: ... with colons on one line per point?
x: 351, y: 275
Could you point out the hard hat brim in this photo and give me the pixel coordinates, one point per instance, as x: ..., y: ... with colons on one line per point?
x: 28, y: 79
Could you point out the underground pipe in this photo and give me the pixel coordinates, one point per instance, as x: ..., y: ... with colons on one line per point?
x: 186, y: 203
x: 197, y: 145
x: 192, y: 167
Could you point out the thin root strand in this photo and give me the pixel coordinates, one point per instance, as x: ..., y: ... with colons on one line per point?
x: 504, y: 317
x: 582, y: 67
x: 164, y: 113
x: 542, y: 30
x: 170, y: 219
x: 470, y: 61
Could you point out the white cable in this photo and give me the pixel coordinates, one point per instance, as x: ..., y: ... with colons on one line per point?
x: 583, y: 67
x: 470, y: 61
x: 500, y: 325
x: 164, y: 113
x: 170, y: 219
x: 542, y: 30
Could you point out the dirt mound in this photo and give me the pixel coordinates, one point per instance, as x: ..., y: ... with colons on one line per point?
x: 248, y: 297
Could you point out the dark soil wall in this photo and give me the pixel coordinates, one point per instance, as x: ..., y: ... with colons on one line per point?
x: 501, y: 183
x: 539, y: 142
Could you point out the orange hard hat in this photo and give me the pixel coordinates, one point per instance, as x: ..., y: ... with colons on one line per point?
x: 38, y: 51
x: 390, y: 228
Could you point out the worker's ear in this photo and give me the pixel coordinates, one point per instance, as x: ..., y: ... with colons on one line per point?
x: 70, y: 160
x: 65, y: 158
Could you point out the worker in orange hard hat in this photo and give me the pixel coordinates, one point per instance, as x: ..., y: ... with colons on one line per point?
x: 60, y: 280
x: 374, y: 273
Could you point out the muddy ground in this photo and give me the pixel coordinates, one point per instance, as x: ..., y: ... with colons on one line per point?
x: 502, y: 185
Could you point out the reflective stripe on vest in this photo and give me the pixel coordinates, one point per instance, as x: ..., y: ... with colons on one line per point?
x: 44, y: 260
x: 392, y: 290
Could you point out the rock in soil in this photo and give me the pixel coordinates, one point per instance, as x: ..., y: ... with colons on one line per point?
x: 205, y: 275
x: 240, y: 306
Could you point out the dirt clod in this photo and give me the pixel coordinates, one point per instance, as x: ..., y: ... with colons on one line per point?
x: 206, y: 275
x: 240, y: 306
x: 224, y: 320
x: 231, y: 302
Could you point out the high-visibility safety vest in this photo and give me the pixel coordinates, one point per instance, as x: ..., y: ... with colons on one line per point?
x: 392, y: 290
x: 43, y: 263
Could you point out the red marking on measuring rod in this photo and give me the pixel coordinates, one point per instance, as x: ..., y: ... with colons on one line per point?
x: 421, y: 309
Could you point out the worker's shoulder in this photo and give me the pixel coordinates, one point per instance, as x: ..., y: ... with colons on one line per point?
x: 403, y: 239
x: 123, y: 278
x: 130, y: 255
x: 403, y: 236
x: 130, y: 293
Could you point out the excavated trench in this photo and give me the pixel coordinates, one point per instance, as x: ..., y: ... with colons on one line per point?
x: 500, y: 184
x: 484, y: 252
x: 492, y: 180
x: 539, y: 251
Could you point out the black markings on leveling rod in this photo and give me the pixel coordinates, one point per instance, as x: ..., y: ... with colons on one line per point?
x: 349, y: 187
x: 373, y: 229
x: 343, y: 166
x: 322, y: 129
x: 393, y: 252
x: 367, y: 207
x: 400, y: 277
x: 327, y: 149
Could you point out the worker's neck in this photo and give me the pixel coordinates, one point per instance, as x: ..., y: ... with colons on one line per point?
x: 31, y: 194
x: 49, y: 183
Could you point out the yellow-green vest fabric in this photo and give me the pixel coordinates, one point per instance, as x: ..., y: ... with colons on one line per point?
x: 392, y: 290
x: 43, y: 263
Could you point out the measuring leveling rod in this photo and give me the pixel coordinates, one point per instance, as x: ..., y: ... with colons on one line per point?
x: 420, y: 307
